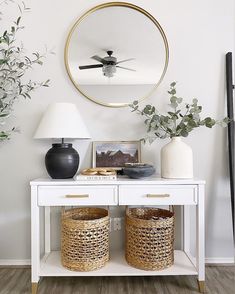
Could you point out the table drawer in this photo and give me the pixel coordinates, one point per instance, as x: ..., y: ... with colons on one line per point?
x: 158, y: 195
x: 82, y: 195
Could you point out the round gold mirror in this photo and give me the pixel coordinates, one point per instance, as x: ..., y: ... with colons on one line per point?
x: 116, y: 53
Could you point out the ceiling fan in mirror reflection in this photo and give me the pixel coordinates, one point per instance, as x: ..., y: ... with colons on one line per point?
x: 109, y: 64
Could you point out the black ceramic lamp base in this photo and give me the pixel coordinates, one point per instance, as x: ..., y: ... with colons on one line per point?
x: 62, y: 161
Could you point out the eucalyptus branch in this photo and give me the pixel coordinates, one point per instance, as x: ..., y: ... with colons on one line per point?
x: 147, y: 113
x: 181, y: 121
x: 14, y: 64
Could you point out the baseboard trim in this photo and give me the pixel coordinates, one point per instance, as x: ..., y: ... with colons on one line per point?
x: 15, y: 262
x: 220, y: 260
x: 27, y: 262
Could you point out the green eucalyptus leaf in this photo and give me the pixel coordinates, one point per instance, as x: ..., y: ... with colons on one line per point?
x: 189, y: 129
x: 179, y: 100
x: 4, y: 114
x: 153, y: 110
x: 169, y: 130
x: 192, y: 123
x: 18, y: 20
x: 162, y: 118
x: 196, y: 117
x: 199, y: 109
x: 226, y: 120
x: 146, y: 111
x: 209, y: 122
x: 27, y: 95
x: 156, y: 117
x: 174, y: 105
x: 173, y: 99
x: 207, y: 119
x: 184, y: 133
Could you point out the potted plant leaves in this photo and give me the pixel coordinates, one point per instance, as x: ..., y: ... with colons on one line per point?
x: 181, y: 119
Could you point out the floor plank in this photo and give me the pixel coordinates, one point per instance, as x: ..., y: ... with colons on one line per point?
x: 219, y: 280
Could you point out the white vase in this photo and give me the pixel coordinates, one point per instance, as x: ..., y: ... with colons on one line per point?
x: 176, y: 160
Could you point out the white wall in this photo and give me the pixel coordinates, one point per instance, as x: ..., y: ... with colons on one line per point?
x: 199, y: 35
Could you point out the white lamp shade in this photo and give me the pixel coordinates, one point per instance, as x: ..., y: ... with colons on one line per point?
x: 61, y: 120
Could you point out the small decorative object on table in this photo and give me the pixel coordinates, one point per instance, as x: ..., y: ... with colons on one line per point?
x: 176, y: 156
x: 138, y: 170
x: 115, y: 154
x: 96, y: 174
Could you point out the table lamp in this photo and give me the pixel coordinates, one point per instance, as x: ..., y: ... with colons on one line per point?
x: 61, y: 121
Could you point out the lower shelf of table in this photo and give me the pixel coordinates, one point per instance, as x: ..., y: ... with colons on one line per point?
x: 117, y: 266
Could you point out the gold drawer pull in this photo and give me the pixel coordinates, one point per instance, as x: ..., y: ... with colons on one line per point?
x: 158, y: 195
x: 77, y: 196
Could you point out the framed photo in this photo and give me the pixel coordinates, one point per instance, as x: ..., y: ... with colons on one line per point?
x: 115, y: 154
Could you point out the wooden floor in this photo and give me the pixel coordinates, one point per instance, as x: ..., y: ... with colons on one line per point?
x: 219, y: 280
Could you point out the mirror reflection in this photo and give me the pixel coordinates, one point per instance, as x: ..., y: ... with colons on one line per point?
x: 110, y: 57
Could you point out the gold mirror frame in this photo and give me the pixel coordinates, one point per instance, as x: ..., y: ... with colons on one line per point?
x: 118, y: 4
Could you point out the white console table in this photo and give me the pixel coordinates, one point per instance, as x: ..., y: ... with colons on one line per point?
x: 46, y: 193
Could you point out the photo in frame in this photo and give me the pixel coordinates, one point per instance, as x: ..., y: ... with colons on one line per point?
x: 114, y: 154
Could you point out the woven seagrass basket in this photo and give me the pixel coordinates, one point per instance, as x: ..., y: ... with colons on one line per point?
x: 84, y: 238
x: 149, y: 238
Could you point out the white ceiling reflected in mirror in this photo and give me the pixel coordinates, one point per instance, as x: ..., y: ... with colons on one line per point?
x: 116, y: 53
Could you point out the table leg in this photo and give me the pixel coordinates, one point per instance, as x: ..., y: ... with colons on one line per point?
x: 47, y: 229
x: 34, y: 288
x: 35, y: 240
x: 201, y: 239
x: 186, y: 229
x: 201, y: 286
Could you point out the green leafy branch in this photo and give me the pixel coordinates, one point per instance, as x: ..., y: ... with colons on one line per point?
x: 182, y: 118
x: 14, y: 64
